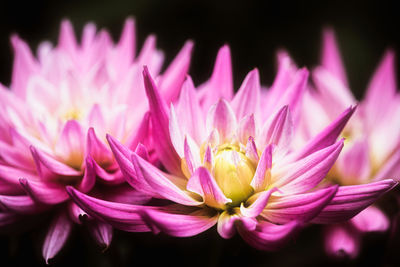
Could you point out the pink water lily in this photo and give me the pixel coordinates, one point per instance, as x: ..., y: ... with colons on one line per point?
x: 228, y: 166
x: 371, y: 152
x: 55, y: 116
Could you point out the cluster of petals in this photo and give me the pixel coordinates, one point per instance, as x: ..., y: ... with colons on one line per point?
x: 372, y: 148
x: 54, y: 118
x: 228, y: 160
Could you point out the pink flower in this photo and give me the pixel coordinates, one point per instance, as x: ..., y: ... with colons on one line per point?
x: 229, y: 167
x: 54, y: 120
x: 371, y: 152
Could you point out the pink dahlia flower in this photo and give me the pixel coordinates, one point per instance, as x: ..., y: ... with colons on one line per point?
x: 54, y: 119
x: 372, y: 147
x: 228, y: 167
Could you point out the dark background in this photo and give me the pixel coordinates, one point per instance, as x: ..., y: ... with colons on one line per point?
x: 255, y: 30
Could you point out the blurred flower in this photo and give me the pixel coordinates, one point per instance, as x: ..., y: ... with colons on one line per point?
x: 372, y: 147
x: 230, y: 167
x: 54, y: 120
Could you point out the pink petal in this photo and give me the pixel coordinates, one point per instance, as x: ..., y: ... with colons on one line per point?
x: 7, y: 218
x: 331, y: 59
x: 97, y: 149
x: 222, y: 118
x: 247, y: 99
x: 300, y: 207
x: 328, y: 136
x: 181, y: 221
x: 173, y: 77
x: 205, y: 185
x: 220, y: 84
x: 247, y: 128
x: 11, y: 175
x: 256, y: 207
x: 308, y: 172
x: 341, y: 241
x: 262, y: 175
x: 227, y: 222
x: 122, y: 216
x: 76, y: 213
x: 268, y: 236
x: 127, y: 44
x: 191, y: 118
x: 101, y: 232
x: 163, y: 185
x: 89, y: 176
x: 159, y: 118
x: 350, y: 200
x: 251, y: 150
x: 56, y: 237
x: 66, y: 39
x: 278, y: 131
x: 371, y: 219
x: 20, y: 204
x: 24, y: 66
x: 391, y: 169
x: 45, y: 193
x: 70, y: 145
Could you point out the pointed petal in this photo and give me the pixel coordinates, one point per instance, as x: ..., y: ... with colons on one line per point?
x: 251, y: 151
x: 227, y: 224
x: 159, y: 118
x: 45, y: 193
x: 181, y: 221
x: 391, y: 169
x: 161, y: 184
x: 97, y: 149
x: 56, y: 237
x: 371, y: 219
x: 122, y: 216
x: 247, y: 99
x: 205, y: 185
x: 341, y: 241
x: 328, y: 136
x: 20, y: 204
x: 101, y: 232
x: 258, y: 205
x: 127, y: 43
x: 222, y: 118
x: 66, y: 39
x: 89, y: 177
x: 172, y: 79
x: 262, y: 175
x: 247, y: 128
x: 350, y: 200
x: 331, y: 59
x: 307, y: 173
x: 300, y: 207
x: 268, y: 236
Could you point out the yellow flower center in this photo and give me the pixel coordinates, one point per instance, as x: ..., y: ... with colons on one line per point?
x: 72, y: 114
x: 233, y: 172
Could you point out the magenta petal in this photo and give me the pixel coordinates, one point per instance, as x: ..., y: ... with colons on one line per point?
x: 66, y: 39
x: 57, y: 235
x: 350, y: 200
x: 127, y: 43
x: 222, y: 118
x: 8, y: 218
x: 258, y: 205
x: 268, y: 236
x: 76, y: 213
x: 11, y: 175
x: 308, y: 172
x: 226, y: 227
x: 24, y: 66
x: 101, y: 232
x: 122, y: 216
x: 181, y: 221
x: 341, y: 241
x: 300, y: 207
x: 173, y: 77
x: 220, y: 84
x: 48, y: 167
x: 371, y: 219
x: 89, y: 177
x: 205, y: 185
x: 160, y: 122
x: 125, y: 194
x: 331, y: 59
x: 142, y: 152
x: 247, y: 99
x: 391, y: 169
x: 278, y: 130
x: 328, y: 136
x: 44, y: 192
x: 122, y: 156
x: 97, y: 149
x: 161, y: 184
x: 247, y: 128
x: 251, y: 151
x: 261, y: 178
x: 20, y: 204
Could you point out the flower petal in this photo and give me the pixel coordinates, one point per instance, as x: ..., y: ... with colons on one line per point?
x: 300, y: 207
x: 163, y: 185
x: 341, y: 241
x: 101, y: 232
x: 350, y: 200
x: 205, y: 185
x: 371, y: 219
x: 20, y: 204
x: 258, y: 205
x: 97, y: 149
x: 160, y: 121
x: 57, y: 235
x: 181, y: 221
x: 122, y: 216
x: 48, y: 193
x: 262, y: 175
x: 222, y: 118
